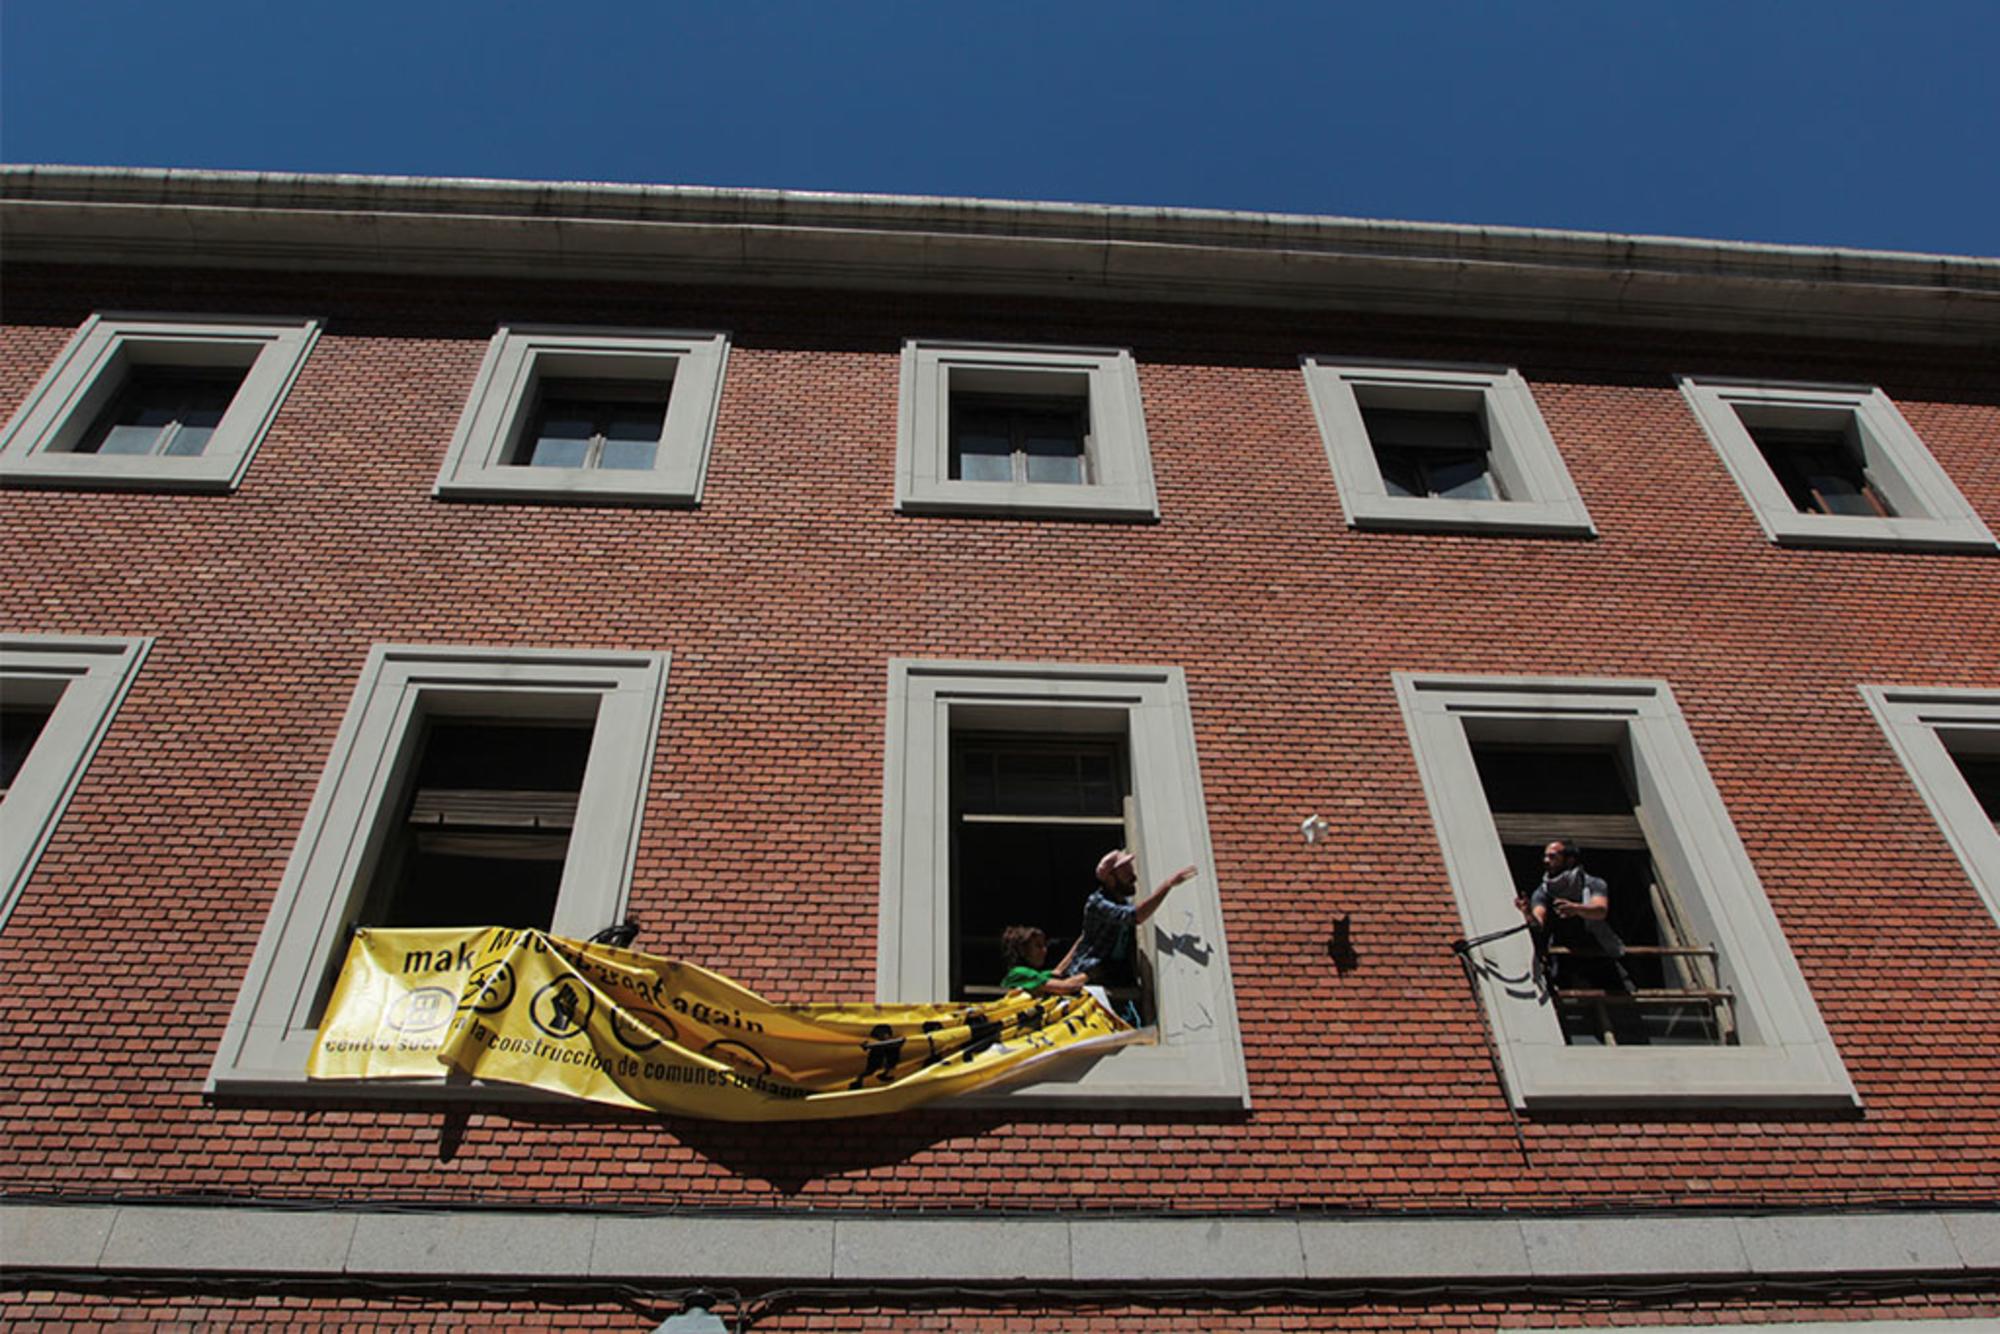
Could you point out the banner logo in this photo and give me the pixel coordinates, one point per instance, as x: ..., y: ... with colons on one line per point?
x: 421, y: 1011
x: 561, y: 1009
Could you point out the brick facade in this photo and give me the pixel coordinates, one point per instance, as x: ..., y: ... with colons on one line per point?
x: 781, y: 599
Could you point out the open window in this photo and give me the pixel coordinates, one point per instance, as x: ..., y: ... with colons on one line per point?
x: 467, y: 787
x: 1666, y: 986
x: 1050, y: 431
x: 58, y: 696
x: 1719, y: 1014
x: 1949, y: 741
x: 1441, y: 447
x: 588, y: 415
x: 1031, y: 816
x: 1003, y: 785
x: 1833, y: 465
x: 156, y: 403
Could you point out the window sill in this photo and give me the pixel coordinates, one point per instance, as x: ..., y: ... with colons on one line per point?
x: 1515, y: 518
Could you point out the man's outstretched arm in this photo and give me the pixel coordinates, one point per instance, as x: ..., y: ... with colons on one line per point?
x: 1145, y: 909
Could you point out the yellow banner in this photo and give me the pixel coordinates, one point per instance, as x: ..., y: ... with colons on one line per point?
x: 633, y: 1030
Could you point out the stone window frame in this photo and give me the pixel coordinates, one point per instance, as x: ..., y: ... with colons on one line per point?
x: 37, y: 448
x: 1198, y: 1059
x: 519, y: 356
x: 1787, y: 1057
x: 1120, y: 459
x: 1925, y: 727
x: 1541, y: 500
x: 1931, y: 513
x: 271, y: 1027
x: 84, y: 680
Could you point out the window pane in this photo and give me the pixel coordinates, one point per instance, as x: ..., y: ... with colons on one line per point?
x: 561, y: 442
x: 1461, y: 477
x: 1402, y: 474
x: 18, y: 730
x: 190, y: 440
x: 977, y: 457
x: 631, y: 455
x: 1820, y: 470
x: 1057, y: 459
x: 1982, y: 775
x: 130, y: 439
x: 632, y: 435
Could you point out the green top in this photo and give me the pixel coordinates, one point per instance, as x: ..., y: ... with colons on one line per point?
x: 1023, y: 978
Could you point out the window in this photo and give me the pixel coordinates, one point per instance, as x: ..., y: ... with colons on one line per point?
x: 155, y: 403
x: 1022, y: 430
x: 1949, y: 741
x: 1665, y: 988
x: 1020, y: 441
x: 578, y: 424
x: 466, y: 787
x: 1031, y: 815
x: 1509, y: 763
x: 57, y: 699
x: 1833, y: 465
x: 588, y: 415
x: 1442, y: 454
x: 1003, y: 784
x: 1445, y: 447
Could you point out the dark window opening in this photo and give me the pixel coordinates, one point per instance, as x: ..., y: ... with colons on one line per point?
x: 1444, y: 454
x: 482, y: 833
x: 1822, y: 470
x: 1544, y: 793
x: 1029, y: 820
x: 1982, y: 775
x: 20, y: 727
x: 163, y: 410
x: 1019, y: 440
x: 607, y: 424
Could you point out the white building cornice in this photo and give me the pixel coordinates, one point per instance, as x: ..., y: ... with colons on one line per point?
x: 683, y: 234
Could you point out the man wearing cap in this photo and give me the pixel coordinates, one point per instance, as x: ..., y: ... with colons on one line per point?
x: 1109, y: 919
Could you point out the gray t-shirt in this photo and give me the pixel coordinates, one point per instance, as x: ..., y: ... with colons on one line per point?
x: 1578, y: 886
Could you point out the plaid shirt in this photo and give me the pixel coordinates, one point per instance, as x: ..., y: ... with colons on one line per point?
x: 1107, y: 929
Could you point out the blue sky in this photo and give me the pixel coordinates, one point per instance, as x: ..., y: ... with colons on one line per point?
x: 1830, y: 122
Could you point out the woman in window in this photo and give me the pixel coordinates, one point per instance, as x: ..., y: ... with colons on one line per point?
x: 1026, y: 949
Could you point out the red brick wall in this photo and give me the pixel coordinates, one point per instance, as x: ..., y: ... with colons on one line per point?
x: 46, y: 1310
x: 782, y: 597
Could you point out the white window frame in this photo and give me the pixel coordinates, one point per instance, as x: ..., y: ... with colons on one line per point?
x: 1926, y: 727
x: 1787, y: 1058
x: 271, y: 1029
x: 38, y: 447
x: 520, y: 356
x: 1198, y: 1059
x: 84, y: 680
x: 1540, y: 498
x: 1119, y: 459
x: 1931, y: 514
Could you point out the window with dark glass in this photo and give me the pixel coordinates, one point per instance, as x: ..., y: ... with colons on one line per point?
x: 999, y: 439
x: 1432, y: 453
x: 1982, y: 775
x: 1583, y: 793
x: 607, y: 424
x: 482, y: 831
x: 1030, y: 817
x: 19, y: 729
x: 1821, y: 469
x: 163, y: 410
